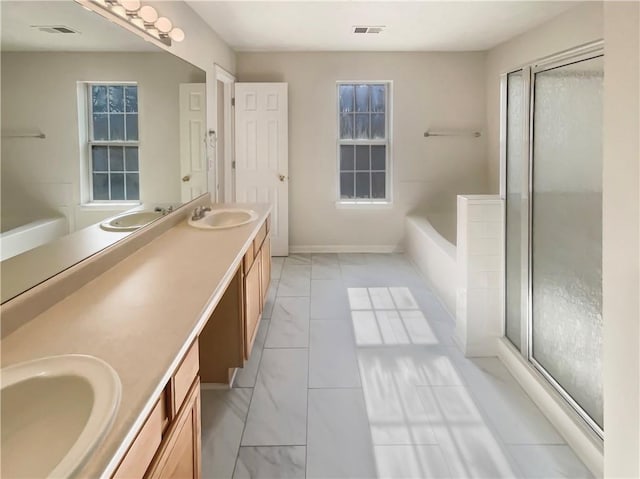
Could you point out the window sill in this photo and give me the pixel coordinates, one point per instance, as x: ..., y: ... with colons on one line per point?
x: 114, y: 206
x: 364, y: 205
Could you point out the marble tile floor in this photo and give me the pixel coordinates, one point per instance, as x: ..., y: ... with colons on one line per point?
x: 354, y: 374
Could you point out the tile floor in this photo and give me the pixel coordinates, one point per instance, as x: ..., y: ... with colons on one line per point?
x: 354, y: 375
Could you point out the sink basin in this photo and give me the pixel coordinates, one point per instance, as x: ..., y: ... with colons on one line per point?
x: 224, y: 218
x: 131, y: 221
x: 55, y: 411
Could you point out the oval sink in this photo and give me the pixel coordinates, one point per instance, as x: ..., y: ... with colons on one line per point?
x: 224, y: 218
x: 55, y: 411
x: 131, y: 221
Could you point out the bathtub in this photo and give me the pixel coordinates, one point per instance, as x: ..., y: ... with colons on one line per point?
x: 430, y: 241
x: 16, y: 238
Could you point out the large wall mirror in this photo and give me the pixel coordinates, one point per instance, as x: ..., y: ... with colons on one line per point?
x: 95, y: 122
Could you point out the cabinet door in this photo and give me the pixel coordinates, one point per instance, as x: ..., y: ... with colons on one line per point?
x: 253, y: 301
x: 179, y: 457
x: 266, y: 267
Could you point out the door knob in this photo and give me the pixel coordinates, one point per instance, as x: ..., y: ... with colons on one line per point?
x: 186, y: 178
x: 282, y: 177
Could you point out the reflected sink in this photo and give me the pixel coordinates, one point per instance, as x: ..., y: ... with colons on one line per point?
x: 131, y: 221
x: 55, y: 411
x: 224, y: 218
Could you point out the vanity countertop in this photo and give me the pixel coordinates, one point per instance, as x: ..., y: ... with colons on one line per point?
x: 140, y: 316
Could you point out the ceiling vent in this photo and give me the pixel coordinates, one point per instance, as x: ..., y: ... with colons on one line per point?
x: 369, y: 29
x: 54, y: 29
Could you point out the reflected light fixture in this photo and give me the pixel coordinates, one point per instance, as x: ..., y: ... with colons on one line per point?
x: 144, y: 18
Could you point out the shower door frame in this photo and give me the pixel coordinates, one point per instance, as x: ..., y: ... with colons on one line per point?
x: 529, y: 71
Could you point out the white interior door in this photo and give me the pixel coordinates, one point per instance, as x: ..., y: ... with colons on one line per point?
x: 262, y: 161
x: 193, y: 145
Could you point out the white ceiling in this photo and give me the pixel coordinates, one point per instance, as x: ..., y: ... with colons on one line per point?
x: 96, y: 34
x: 411, y: 26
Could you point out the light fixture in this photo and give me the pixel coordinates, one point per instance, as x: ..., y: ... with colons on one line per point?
x: 177, y: 35
x: 144, y: 18
x: 164, y: 25
x: 148, y: 14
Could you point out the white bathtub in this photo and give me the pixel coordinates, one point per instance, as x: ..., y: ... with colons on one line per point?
x: 430, y: 241
x: 31, y: 235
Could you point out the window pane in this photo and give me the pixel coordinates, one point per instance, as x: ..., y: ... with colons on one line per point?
x: 362, y: 98
x: 99, y: 157
x: 378, y: 157
x: 346, y: 157
x: 131, y: 158
x: 116, y: 99
x: 362, y: 126
x: 362, y: 185
x: 362, y: 158
x: 100, y: 186
x: 346, y: 126
x: 346, y: 98
x: 133, y: 186
x: 377, y: 126
x: 116, y: 158
x: 117, y: 186
x: 131, y: 99
x: 100, y: 126
x: 346, y: 185
x: 378, y: 186
x: 99, y: 98
x: 117, y: 127
x: 132, y: 127
x: 377, y: 98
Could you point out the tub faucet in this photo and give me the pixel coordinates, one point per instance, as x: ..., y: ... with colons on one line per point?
x: 199, y: 212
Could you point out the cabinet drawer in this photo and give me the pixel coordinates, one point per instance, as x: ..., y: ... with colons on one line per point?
x: 268, y: 223
x: 260, y: 236
x: 183, y: 378
x: 248, y: 258
x: 144, y: 447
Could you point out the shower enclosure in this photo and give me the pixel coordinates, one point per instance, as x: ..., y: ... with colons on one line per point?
x: 552, y: 187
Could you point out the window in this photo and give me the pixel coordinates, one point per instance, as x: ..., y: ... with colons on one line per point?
x: 363, y: 142
x: 114, y: 172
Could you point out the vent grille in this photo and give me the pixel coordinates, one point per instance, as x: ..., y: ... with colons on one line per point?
x: 54, y: 29
x: 368, y: 29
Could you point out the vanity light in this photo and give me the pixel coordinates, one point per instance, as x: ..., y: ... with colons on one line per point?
x: 177, y: 35
x: 131, y: 6
x: 143, y: 17
x: 148, y: 14
x: 164, y: 25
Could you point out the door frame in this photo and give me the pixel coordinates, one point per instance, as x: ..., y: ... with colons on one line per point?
x: 228, y: 178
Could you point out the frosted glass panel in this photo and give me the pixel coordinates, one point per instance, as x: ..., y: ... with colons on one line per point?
x: 514, y: 206
x: 567, y: 230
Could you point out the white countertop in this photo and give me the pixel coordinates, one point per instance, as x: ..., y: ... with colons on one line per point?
x: 140, y: 317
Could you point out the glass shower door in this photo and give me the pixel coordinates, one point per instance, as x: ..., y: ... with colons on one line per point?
x: 566, y: 232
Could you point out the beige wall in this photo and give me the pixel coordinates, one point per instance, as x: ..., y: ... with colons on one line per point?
x: 40, y: 92
x: 430, y: 90
x: 621, y: 240
x: 577, y: 26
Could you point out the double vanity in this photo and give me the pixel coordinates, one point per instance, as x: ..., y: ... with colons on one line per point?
x: 179, y: 310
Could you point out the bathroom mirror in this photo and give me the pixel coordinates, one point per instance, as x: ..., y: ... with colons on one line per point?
x: 96, y: 121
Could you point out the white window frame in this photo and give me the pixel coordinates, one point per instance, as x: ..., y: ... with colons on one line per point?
x: 89, y: 143
x: 387, y: 142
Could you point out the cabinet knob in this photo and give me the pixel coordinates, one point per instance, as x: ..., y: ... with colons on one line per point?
x: 186, y: 178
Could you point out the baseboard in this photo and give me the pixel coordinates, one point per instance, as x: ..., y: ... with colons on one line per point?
x: 578, y: 435
x: 345, y: 249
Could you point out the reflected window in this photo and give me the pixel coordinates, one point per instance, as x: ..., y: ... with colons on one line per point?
x: 363, y: 142
x: 114, y: 172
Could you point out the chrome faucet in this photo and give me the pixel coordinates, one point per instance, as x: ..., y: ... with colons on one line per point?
x: 199, y: 212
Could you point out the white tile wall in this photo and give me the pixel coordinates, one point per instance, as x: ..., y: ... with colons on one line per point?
x: 479, y: 274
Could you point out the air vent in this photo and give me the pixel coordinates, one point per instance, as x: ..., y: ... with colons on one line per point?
x: 368, y: 29
x: 54, y: 29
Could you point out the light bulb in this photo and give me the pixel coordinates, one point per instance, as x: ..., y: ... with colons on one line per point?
x: 177, y: 34
x: 148, y: 14
x: 130, y: 5
x: 163, y: 24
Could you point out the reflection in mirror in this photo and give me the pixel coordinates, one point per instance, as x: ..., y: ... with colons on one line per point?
x: 95, y: 122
